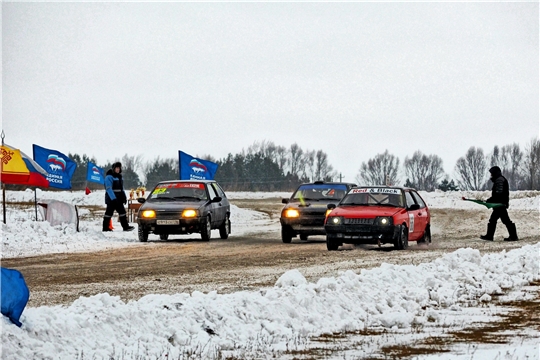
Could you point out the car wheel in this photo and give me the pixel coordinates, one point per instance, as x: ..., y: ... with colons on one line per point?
x: 286, y: 235
x: 143, y: 234
x: 206, y: 230
x: 402, y: 241
x: 225, y: 228
x: 303, y: 237
x: 164, y: 236
x: 426, y: 239
x: 331, y: 244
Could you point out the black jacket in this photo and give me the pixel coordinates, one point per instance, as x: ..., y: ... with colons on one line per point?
x: 114, y: 186
x: 499, y: 192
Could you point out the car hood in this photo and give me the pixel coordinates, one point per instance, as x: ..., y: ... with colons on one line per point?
x: 351, y: 211
x: 172, y: 205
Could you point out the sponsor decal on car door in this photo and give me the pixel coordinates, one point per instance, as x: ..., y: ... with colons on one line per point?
x: 411, y: 222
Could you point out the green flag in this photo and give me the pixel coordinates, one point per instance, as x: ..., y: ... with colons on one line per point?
x: 486, y: 204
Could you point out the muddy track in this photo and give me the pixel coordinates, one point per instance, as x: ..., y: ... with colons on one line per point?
x: 240, y: 262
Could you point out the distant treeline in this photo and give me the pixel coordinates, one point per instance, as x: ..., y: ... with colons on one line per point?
x: 265, y: 166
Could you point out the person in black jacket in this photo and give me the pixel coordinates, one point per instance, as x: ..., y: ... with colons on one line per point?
x: 499, y: 194
x: 115, y: 198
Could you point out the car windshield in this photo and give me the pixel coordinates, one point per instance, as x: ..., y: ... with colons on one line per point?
x: 178, y: 191
x: 374, y: 197
x: 320, y: 192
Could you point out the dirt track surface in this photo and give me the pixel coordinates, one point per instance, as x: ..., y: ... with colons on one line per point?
x: 242, y: 263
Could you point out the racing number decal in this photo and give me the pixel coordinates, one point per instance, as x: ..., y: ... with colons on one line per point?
x: 411, y: 222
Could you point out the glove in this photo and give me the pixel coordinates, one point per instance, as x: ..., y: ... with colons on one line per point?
x: 125, y: 201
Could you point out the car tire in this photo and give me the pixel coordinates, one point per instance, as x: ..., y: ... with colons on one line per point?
x: 426, y: 239
x: 286, y: 235
x: 402, y: 241
x: 206, y: 230
x: 225, y: 228
x: 303, y: 237
x: 331, y: 244
x: 143, y: 234
x: 164, y: 237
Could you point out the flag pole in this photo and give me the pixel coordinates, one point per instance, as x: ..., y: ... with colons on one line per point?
x: 4, y: 201
x: 3, y: 185
x: 35, y: 201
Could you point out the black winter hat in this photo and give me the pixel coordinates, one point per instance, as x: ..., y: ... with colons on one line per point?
x: 495, y: 170
x: 117, y: 164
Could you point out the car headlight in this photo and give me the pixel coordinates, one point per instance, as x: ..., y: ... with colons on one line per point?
x: 384, y: 221
x: 148, y: 214
x: 189, y: 213
x: 291, y: 213
x: 335, y: 220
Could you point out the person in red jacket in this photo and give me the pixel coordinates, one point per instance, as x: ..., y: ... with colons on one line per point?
x: 499, y: 194
x: 115, y: 198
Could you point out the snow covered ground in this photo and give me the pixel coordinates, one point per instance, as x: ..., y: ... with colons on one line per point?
x: 438, y: 294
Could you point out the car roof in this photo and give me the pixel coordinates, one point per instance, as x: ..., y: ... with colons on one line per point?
x: 328, y: 182
x: 185, y: 181
x: 385, y: 186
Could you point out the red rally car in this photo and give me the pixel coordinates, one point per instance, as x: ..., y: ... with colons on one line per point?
x: 378, y: 215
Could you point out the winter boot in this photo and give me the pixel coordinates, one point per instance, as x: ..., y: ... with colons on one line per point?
x: 106, y: 223
x: 512, y: 232
x: 490, y: 232
x: 125, y: 225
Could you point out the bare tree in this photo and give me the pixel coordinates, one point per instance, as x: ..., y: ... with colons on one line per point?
x: 471, y: 169
x: 159, y: 170
x: 509, y: 159
x: 132, y: 166
x: 532, y: 164
x: 133, y: 163
x: 379, y: 169
x: 281, y: 157
x: 295, y: 161
x: 323, y: 170
x: 308, y: 161
x: 423, y: 172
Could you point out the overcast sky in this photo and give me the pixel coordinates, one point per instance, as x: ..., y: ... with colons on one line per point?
x: 351, y: 79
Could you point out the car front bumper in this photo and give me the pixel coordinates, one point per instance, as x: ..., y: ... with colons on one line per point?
x: 184, y: 226
x: 307, y: 225
x: 362, y: 234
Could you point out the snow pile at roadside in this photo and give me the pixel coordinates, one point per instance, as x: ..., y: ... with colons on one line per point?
x: 270, y: 319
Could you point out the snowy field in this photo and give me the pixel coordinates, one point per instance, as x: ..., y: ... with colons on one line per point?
x: 453, y: 290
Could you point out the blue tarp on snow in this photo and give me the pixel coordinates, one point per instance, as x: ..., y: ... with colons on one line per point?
x: 15, y: 294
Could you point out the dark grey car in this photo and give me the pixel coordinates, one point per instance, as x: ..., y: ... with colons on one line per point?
x: 184, y: 207
x: 304, y: 213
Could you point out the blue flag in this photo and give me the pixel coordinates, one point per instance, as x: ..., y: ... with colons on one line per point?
x: 14, y: 294
x: 95, y: 174
x: 59, y: 167
x: 192, y: 168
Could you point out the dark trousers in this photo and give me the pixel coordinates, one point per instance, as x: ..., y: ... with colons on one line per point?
x: 115, y: 206
x: 500, y: 213
x: 109, y: 211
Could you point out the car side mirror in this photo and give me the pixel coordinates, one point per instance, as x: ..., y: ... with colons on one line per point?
x: 284, y: 201
x: 414, y: 207
x: 217, y: 199
x: 331, y: 206
x: 141, y: 200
